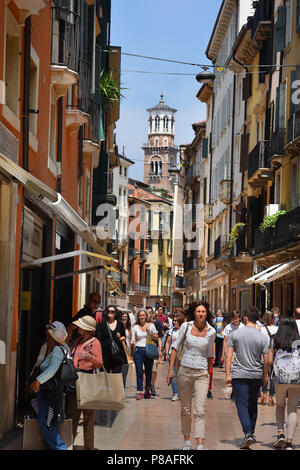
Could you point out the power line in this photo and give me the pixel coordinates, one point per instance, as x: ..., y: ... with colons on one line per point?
x: 203, y: 66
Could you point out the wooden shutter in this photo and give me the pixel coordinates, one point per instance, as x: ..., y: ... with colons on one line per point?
x: 280, y: 29
x: 247, y: 87
x: 244, y: 152
x: 204, y: 147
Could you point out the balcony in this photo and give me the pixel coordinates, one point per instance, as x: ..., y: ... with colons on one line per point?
x: 261, y: 25
x: 78, y: 106
x: 190, y: 175
x: 132, y: 253
x: 293, y: 135
x: 259, y: 173
x: 240, y: 248
x: 221, y: 246
x: 144, y: 255
x: 225, y: 191
x: 91, y: 149
x: 135, y: 288
x: 65, y: 45
x: 208, y: 213
x: 276, y: 148
x: 285, y: 234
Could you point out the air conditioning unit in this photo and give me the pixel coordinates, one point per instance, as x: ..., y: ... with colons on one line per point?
x: 271, y: 209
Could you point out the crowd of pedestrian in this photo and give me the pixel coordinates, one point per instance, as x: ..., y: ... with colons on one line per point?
x: 260, y: 356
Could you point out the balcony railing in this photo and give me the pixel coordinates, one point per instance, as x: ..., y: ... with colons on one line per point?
x: 180, y: 282
x: 293, y: 127
x: 258, y: 157
x: 277, y: 143
x: 134, y: 287
x: 132, y: 252
x: 240, y: 244
x: 286, y: 232
x: 65, y: 38
x: 221, y: 246
x: 262, y: 20
x: 208, y: 213
x: 165, y: 290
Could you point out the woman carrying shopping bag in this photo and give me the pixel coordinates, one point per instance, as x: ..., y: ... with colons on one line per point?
x: 284, y: 356
x: 87, y: 356
x: 140, y: 332
x: 197, y: 337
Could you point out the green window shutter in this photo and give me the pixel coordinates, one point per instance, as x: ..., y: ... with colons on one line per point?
x: 280, y: 29
x: 204, y: 148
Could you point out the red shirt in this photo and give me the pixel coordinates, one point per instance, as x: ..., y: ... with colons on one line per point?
x: 88, y: 355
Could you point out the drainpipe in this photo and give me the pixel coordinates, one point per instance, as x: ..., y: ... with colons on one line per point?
x: 60, y: 103
x: 26, y: 92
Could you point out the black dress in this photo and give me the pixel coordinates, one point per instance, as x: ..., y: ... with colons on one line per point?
x: 111, y: 364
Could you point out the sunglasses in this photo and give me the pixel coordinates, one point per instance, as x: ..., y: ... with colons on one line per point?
x: 111, y: 311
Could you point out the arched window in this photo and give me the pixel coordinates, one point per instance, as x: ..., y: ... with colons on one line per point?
x: 160, y: 168
x: 166, y: 124
x: 157, y: 123
x: 152, y: 167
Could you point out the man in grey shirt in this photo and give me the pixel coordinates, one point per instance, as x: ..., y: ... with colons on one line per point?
x: 249, y: 371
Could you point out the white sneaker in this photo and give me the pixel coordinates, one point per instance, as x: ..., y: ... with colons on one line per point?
x: 175, y: 397
x: 187, y: 447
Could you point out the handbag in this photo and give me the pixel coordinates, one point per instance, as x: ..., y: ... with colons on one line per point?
x: 115, y: 351
x: 151, y: 349
x: 100, y: 391
x: 179, y: 354
x: 48, y: 386
x: 127, y: 353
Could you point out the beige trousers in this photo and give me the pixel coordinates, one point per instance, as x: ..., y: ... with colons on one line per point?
x: 293, y: 392
x: 88, y: 421
x: 192, y: 381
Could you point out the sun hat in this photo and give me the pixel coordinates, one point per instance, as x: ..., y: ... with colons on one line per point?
x: 57, y: 331
x: 87, y: 323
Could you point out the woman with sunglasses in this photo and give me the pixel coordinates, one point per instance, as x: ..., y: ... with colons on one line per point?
x: 111, y: 333
x: 179, y: 318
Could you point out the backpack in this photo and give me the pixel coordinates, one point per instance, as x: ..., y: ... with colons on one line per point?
x: 287, y: 367
x: 67, y: 373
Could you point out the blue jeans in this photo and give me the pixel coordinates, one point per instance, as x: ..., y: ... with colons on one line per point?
x: 174, y: 383
x: 246, y: 394
x: 51, y: 436
x: 140, y: 358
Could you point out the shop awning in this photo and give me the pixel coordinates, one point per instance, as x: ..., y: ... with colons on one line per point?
x: 70, y: 254
x: 18, y: 175
x: 274, y: 272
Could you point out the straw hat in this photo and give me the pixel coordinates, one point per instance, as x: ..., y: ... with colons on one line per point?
x: 87, y: 323
x: 57, y: 331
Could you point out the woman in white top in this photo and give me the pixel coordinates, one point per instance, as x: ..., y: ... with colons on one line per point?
x: 141, y: 330
x: 179, y: 318
x: 193, y: 377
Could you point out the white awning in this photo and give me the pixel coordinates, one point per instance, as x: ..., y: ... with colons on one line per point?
x: 254, y: 279
x: 279, y: 272
x: 70, y: 254
x: 17, y: 174
x: 274, y: 272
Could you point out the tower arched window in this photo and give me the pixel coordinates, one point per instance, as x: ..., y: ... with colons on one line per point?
x: 166, y: 124
x: 152, y: 167
x: 160, y: 168
x: 157, y: 123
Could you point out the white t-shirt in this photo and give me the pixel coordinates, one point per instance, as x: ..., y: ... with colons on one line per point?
x: 272, y: 329
x: 132, y: 319
x: 231, y: 327
x: 298, y: 324
x: 140, y: 336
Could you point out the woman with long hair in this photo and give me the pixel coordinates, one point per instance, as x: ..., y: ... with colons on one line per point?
x: 125, y: 319
x: 285, y: 357
x: 141, y: 330
x: 179, y: 318
x: 193, y: 378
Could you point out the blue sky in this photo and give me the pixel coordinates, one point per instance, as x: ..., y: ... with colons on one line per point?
x: 173, y: 29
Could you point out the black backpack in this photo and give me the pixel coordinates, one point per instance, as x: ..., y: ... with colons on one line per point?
x: 67, y: 373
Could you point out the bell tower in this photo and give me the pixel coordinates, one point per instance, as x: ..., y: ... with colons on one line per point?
x: 160, y: 152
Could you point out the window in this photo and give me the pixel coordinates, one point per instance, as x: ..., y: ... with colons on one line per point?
x: 147, y: 277
x: 159, y: 280
x: 120, y: 191
x: 125, y: 171
x: 12, y: 68
x: 294, y: 187
x: 288, y: 28
x: 298, y: 17
x: 52, y: 137
x: 160, y: 245
x: 120, y: 169
x: 87, y: 196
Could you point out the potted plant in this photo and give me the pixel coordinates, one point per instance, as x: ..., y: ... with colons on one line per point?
x: 270, y: 221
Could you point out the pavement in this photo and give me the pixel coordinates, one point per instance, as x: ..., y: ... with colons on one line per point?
x: 155, y: 423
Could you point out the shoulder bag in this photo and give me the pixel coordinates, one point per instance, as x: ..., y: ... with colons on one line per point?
x: 115, y: 351
x: 179, y: 354
x: 151, y: 348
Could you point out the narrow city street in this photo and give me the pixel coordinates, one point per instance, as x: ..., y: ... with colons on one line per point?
x: 155, y: 424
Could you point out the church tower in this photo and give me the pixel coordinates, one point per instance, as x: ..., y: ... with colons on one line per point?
x: 160, y: 151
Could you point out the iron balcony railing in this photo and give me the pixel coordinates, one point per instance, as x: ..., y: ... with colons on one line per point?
x: 221, y: 245
x: 263, y: 12
x: 293, y: 127
x: 286, y: 232
x: 80, y: 95
x: 277, y: 143
x: 65, y: 38
x: 258, y: 157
